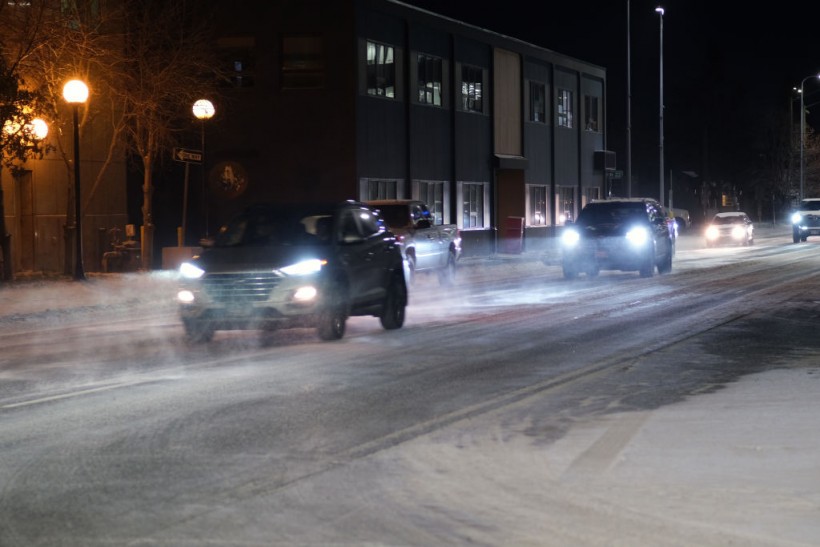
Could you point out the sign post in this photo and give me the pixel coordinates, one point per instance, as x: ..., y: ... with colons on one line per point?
x: 188, y: 157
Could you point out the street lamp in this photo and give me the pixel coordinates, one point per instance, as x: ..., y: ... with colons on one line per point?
x: 659, y: 10
x: 75, y: 92
x: 802, y: 128
x: 204, y: 110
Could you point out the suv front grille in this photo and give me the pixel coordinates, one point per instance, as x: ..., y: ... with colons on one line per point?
x: 237, y: 288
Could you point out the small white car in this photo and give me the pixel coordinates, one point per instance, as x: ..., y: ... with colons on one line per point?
x: 732, y: 228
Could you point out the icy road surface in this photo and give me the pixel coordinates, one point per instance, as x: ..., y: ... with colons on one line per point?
x: 515, y: 409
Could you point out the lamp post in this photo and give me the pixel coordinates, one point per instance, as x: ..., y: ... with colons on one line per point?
x: 803, y: 128
x: 659, y: 10
x: 204, y: 110
x: 75, y: 92
x: 628, y: 105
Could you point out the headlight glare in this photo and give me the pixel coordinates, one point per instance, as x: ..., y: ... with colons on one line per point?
x: 304, y: 294
x: 712, y: 232
x: 738, y: 232
x: 796, y: 218
x: 570, y: 238
x: 185, y: 296
x: 305, y: 267
x: 189, y: 271
x: 637, y: 236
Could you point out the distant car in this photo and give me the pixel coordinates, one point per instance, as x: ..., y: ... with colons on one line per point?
x: 682, y: 217
x: 806, y: 220
x: 294, y: 265
x: 734, y: 228
x: 618, y: 234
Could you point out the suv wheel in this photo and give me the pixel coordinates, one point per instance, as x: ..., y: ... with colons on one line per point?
x: 795, y: 235
x: 332, y: 323
x: 395, y: 302
x: 665, y: 266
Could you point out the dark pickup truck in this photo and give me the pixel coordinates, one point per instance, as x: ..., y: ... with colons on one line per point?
x: 279, y: 266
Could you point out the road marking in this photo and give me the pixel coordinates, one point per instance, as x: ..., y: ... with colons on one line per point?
x: 77, y: 393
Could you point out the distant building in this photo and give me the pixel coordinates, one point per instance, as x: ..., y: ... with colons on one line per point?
x: 365, y: 99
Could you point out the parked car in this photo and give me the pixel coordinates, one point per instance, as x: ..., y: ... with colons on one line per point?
x: 806, y: 219
x: 733, y: 227
x: 428, y: 247
x: 682, y: 218
x: 294, y: 265
x: 618, y: 234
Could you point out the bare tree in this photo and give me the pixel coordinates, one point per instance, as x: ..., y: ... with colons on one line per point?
x: 19, y: 105
x: 168, y: 63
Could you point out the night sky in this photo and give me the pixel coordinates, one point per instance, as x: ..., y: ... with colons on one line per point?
x: 727, y: 66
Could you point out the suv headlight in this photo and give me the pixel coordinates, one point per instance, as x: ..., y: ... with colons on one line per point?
x: 796, y: 218
x: 712, y: 233
x: 189, y: 271
x: 305, y: 267
x: 637, y: 236
x: 570, y: 237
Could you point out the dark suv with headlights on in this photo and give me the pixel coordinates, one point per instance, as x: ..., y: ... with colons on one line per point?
x: 806, y: 220
x: 625, y: 234
x: 294, y: 265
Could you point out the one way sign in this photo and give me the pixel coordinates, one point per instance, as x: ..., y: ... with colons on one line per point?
x: 188, y: 156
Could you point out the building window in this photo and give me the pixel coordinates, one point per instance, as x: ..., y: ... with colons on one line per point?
x: 473, y: 200
x: 237, y: 54
x: 591, y: 194
x: 380, y: 189
x: 381, y: 70
x: 472, y: 81
x: 303, y: 62
x: 432, y: 193
x: 564, y: 108
x: 429, y: 75
x: 566, y: 204
x: 537, y: 102
x: 537, y: 214
x: 591, y: 109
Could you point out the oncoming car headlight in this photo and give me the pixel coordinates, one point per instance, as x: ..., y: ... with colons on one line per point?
x: 712, y: 233
x: 189, y: 271
x: 796, y: 218
x: 738, y: 232
x: 305, y: 267
x: 637, y: 236
x: 570, y: 238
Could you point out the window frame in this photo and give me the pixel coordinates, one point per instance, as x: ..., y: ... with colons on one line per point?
x: 388, y: 71
x: 592, y: 110
x: 542, y: 94
x: 471, y: 78
x: 532, y: 201
x: 475, y: 189
x: 563, y: 109
x: 425, y: 94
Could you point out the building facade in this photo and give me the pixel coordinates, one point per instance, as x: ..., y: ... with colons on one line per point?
x: 368, y: 99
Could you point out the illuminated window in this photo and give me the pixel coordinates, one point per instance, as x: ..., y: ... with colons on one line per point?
x: 432, y: 193
x: 381, y: 70
x: 473, y: 199
x: 429, y: 75
x: 537, y: 214
x: 472, y: 81
x: 564, y: 108
x: 381, y: 189
x: 566, y: 204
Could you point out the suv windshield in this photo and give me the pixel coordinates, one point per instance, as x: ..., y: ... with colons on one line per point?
x: 809, y: 205
x: 277, y: 226
x: 611, y: 213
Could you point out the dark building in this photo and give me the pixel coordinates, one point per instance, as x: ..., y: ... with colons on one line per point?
x: 365, y: 99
